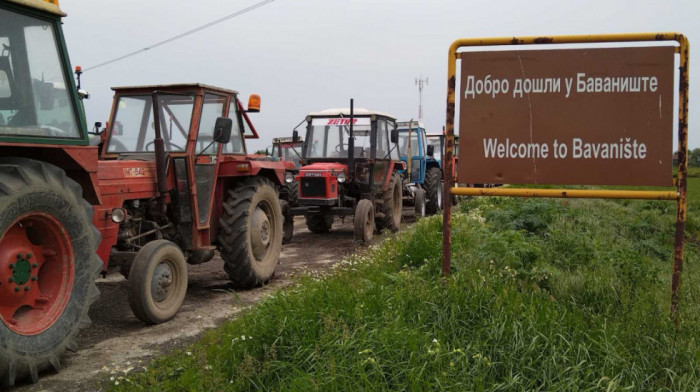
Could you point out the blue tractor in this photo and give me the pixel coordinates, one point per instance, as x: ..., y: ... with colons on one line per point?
x: 422, y: 178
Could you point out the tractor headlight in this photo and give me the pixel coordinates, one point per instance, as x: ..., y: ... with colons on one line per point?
x: 342, y: 178
x: 288, y: 177
x: 118, y: 215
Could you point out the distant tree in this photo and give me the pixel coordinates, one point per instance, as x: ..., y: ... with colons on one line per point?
x: 694, y: 158
x: 263, y: 152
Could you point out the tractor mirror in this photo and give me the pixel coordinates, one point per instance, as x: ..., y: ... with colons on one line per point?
x: 295, y: 136
x: 222, y: 130
x: 431, y: 150
x: 253, y: 103
x: 394, y: 135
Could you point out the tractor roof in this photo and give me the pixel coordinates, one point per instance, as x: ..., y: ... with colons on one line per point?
x: 50, y: 6
x: 148, y: 89
x: 345, y: 112
x: 414, y: 124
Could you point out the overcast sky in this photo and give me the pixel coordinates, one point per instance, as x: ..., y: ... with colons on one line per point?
x: 310, y: 55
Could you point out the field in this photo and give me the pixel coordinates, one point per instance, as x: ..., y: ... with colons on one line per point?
x: 544, y: 295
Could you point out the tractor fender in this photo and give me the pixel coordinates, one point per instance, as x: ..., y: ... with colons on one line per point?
x: 79, y: 163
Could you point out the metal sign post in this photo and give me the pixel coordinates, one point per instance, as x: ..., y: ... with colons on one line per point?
x: 598, y: 158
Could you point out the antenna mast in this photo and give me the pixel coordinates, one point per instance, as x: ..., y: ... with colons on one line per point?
x: 420, y: 82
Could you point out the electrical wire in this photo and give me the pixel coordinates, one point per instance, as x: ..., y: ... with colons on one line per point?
x: 185, y: 34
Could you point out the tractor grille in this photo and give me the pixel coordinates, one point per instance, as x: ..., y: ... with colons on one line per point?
x: 313, y: 187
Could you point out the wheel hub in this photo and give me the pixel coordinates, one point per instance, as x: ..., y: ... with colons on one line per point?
x: 161, y: 282
x: 36, y: 273
x: 260, y: 233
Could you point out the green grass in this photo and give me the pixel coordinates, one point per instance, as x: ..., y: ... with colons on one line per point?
x: 544, y: 295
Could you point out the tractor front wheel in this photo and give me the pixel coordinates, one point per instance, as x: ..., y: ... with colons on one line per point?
x: 48, y: 267
x: 419, y: 198
x: 251, y: 232
x: 288, y: 225
x: 364, y: 221
x: 157, y: 282
x: 319, y: 223
x: 392, y: 206
x: 433, y: 188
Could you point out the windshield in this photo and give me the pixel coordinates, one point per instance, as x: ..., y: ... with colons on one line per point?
x: 403, y: 143
x: 34, y: 95
x: 133, y: 129
x: 328, y: 138
x: 436, y: 142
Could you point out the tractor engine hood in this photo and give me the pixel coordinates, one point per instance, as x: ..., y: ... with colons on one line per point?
x: 321, y: 167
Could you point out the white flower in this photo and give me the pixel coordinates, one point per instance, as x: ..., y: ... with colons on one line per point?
x: 116, y: 383
x: 189, y: 353
x: 111, y: 378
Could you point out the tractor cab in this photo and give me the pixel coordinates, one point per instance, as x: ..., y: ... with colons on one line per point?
x: 351, y: 159
x: 38, y: 97
x: 423, y: 174
x: 288, y: 149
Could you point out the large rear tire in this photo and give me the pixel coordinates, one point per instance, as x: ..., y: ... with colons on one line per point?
x: 392, y: 206
x: 251, y: 232
x: 364, y: 221
x: 157, y: 282
x: 290, y: 193
x: 319, y: 223
x: 433, y: 190
x: 48, y: 267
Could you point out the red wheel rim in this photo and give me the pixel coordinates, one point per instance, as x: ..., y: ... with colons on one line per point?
x: 36, y: 273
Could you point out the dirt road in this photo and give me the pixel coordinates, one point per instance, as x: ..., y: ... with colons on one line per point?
x: 117, y: 340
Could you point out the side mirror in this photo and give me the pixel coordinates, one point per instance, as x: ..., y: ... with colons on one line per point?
x: 253, y: 103
x: 431, y: 150
x: 394, y: 135
x: 295, y: 136
x: 222, y: 130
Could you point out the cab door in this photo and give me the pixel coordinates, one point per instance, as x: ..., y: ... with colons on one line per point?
x: 206, y: 159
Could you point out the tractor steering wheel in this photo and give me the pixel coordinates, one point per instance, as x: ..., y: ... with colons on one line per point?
x: 152, y: 142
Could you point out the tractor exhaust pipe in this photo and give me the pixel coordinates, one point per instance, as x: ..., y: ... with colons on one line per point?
x: 351, y: 142
x: 159, y: 148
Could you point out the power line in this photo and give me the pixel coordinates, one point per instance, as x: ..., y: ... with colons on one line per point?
x: 185, y: 34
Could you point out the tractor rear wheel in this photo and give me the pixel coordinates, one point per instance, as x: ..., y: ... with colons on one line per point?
x: 392, y: 205
x: 157, y: 282
x: 288, y: 225
x: 319, y: 223
x: 290, y: 192
x: 433, y: 189
x: 251, y: 232
x: 48, y: 267
x: 364, y: 221
x: 419, y: 200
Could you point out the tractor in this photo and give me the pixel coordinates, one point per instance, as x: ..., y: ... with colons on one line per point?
x: 168, y: 186
x: 351, y: 168
x: 288, y: 149
x: 423, y: 175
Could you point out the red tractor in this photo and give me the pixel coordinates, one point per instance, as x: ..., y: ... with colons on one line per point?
x: 170, y: 184
x: 288, y: 150
x: 351, y: 168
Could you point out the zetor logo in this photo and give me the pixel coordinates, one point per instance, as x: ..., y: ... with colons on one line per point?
x: 341, y: 121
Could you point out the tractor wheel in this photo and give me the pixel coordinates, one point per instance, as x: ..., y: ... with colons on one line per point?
x: 319, y: 223
x: 48, y: 267
x: 290, y: 193
x: 433, y: 189
x: 419, y: 200
x: 364, y: 221
x: 392, y: 206
x: 157, y: 282
x: 199, y: 257
x: 251, y: 232
x: 288, y: 225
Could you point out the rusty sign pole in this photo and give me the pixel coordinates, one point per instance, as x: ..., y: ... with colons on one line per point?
x: 682, y: 177
x: 447, y: 159
x: 680, y: 195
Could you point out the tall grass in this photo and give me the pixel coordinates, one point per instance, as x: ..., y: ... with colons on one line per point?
x: 544, y: 295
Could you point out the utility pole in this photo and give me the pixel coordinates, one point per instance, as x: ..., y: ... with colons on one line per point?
x: 420, y: 82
